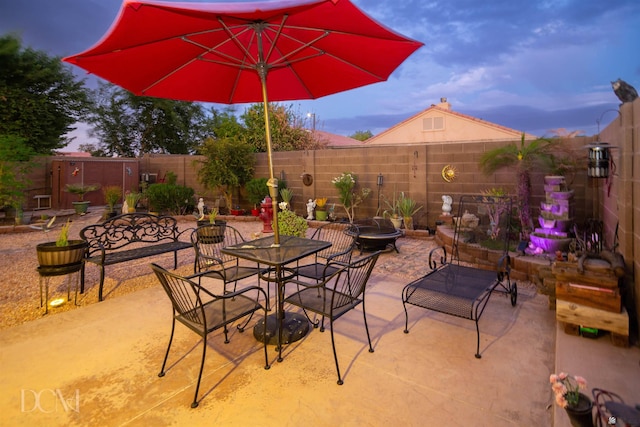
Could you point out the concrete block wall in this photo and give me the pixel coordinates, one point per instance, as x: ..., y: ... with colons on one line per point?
x: 414, y: 169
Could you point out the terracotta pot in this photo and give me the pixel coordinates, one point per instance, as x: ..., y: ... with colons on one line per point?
x: 408, y: 222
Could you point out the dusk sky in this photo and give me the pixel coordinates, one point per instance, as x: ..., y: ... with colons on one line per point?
x: 534, y: 66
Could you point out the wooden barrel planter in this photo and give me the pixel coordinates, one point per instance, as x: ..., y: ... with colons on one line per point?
x: 211, y: 233
x: 55, y: 257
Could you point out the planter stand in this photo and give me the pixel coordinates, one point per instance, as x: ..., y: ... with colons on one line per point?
x: 59, y: 261
x: 47, y: 272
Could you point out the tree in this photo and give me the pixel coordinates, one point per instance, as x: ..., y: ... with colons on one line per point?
x: 361, y: 135
x: 224, y: 124
x: 15, y: 163
x: 287, y: 132
x: 40, y: 99
x: 524, y: 159
x: 130, y: 125
x: 228, y: 165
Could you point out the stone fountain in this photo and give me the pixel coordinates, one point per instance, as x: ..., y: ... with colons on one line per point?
x: 556, y: 217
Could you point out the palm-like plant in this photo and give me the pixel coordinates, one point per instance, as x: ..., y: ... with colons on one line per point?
x: 525, y: 158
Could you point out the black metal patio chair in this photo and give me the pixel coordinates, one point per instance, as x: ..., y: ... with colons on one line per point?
x: 339, y: 293
x: 208, y: 241
x: 204, y: 312
x: 343, y: 238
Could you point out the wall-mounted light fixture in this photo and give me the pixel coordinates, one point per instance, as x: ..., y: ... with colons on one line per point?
x: 600, y: 162
x: 599, y: 159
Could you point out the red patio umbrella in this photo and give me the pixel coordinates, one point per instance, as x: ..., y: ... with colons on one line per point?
x: 245, y: 52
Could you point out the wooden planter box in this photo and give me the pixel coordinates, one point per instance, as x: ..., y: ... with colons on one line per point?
x: 589, y: 295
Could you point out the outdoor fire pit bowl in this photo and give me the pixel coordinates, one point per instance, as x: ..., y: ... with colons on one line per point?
x: 377, y: 235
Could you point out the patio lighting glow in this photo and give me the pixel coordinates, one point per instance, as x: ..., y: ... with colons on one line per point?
x: 57, y: 302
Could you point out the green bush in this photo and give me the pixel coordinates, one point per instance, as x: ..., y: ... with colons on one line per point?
x: 171, y: 199
x: 257, y: 190
x: 290, y: 224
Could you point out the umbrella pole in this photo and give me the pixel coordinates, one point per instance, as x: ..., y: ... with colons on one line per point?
x: 273, y: 182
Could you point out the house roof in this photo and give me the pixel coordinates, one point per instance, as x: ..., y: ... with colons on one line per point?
x: 455, y: 127
x: 333, y: 140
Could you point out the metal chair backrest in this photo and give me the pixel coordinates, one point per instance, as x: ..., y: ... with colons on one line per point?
x: 343, y: 238
x: 350, y: 283
x: 483, y: 219
x: 208, y: 241
x: 184, y: 297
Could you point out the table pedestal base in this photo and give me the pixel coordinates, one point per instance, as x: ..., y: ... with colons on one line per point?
x: 294, y: 327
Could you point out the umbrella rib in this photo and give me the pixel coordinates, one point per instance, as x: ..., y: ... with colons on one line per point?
x: 303, y: 45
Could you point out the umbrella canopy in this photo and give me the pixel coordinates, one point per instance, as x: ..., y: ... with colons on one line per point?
x: 245, y: 52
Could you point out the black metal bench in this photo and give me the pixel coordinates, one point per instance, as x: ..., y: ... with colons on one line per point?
x: 464, y: 291
x: 131, y: 236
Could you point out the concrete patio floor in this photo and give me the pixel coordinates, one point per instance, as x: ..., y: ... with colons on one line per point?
x: 97, y: 366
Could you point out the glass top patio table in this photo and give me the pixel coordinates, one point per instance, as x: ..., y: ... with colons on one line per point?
x: 264, y: 251
x: 282, y: 327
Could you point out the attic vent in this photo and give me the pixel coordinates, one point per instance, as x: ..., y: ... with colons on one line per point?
x: 433, y: 123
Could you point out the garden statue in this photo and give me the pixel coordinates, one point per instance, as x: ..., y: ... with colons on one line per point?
x: 125, y: 207
x: 311, y: 205
x: 201, y: 208
x: 446, y: 205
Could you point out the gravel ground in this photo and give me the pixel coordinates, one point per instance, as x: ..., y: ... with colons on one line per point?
x: 19, y: 280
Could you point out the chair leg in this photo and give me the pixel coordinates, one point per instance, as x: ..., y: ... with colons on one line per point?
x: 264, y: 334
x: 166, y: 356
x: 101, y: 283
x: 204, y: 353
x: 478, y: 355
x: 366, y: 327
x: 335, y: 355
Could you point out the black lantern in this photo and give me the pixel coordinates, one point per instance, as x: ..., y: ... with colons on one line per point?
x: 599, y: 160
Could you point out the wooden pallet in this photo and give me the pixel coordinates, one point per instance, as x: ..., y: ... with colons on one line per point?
x: 577, y: 315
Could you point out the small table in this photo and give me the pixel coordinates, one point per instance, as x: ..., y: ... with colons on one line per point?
x: 264, y: 251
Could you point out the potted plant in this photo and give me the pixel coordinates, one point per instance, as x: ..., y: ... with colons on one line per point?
x: 257, y: 190
x: 350, y: 199
x: 63, y: 253
x: 568, y: 396
x: 392, y: 212
x: 211, y: 230
x: 321, y: 212
x: 290, y: 224
x: 112, y: 194
x: 81, y: 189
x: 286, y: 195
x: 131, y: 199
x: 407, y: 207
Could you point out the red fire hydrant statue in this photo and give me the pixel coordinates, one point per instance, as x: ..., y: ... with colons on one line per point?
x: 266, y: 215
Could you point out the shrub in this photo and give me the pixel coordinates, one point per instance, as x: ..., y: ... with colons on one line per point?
x: 171, y: 199
x: 290, y: 224
x: 257, y: 190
